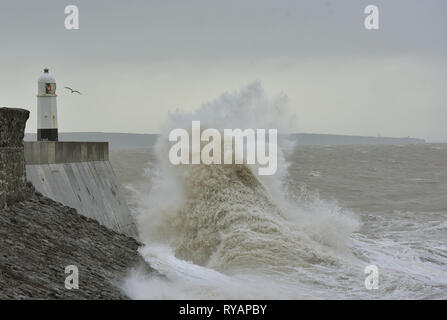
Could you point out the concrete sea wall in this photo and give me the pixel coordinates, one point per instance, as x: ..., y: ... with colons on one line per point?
x: 79, y: 175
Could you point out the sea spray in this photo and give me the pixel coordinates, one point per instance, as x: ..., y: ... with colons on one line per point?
x: 233, y: 146
x: 211, y: 228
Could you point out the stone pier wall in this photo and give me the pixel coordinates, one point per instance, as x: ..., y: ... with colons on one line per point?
x: 13, y: 185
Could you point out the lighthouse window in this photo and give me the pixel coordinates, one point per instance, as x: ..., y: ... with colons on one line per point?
x: 50, y: 88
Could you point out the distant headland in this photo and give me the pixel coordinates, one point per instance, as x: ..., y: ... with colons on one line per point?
x: 134, y: 141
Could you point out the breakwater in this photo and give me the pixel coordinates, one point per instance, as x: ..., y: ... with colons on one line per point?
x: 40, y: 237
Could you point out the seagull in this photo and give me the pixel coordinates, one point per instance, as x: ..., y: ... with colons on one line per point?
x: 72, y: 91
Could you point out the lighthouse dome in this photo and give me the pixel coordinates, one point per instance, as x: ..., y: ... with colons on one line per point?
x: 46, y: 83
x: 46, y: 77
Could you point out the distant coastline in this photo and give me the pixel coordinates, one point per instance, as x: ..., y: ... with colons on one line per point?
x: 333, y: 139
x: 135, y: 141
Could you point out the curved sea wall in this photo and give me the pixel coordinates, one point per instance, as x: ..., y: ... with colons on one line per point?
x: 79, y: 175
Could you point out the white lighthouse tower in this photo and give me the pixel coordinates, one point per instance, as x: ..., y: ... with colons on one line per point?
x: 46, y: 108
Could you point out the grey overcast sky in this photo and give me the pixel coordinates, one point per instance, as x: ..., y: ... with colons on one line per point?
x: 137, y: 60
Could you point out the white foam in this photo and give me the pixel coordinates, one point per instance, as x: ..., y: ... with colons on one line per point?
x: 223, y: 232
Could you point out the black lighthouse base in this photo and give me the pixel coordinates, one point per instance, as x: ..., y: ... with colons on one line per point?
x: 47, y: 135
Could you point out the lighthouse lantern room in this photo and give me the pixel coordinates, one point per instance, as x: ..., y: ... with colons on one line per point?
x: 47, y: 108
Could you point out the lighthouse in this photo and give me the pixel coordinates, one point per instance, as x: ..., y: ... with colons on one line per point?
x: 46, y: 108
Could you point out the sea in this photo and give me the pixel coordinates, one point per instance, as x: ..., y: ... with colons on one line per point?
x: 223, y: 233
x: 333, y: 222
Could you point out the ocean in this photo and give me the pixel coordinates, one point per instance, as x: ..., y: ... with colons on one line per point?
x: 222, y: 232
x: 333, y: 222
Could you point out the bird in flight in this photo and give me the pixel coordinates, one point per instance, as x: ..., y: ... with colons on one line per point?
x: 72, y: 91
